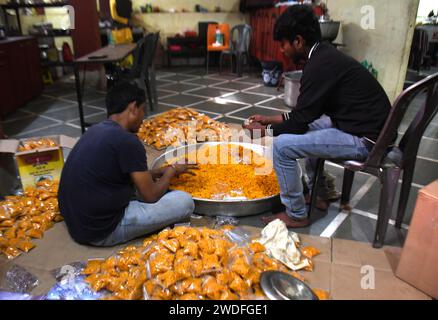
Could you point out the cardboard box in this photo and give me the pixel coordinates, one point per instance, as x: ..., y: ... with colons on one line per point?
x: 351, y: 270
x: 36, y: 165
x: 360, y: 272
x: 419, y: 261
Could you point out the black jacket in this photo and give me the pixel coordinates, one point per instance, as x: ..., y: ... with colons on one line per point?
x: 340, y: 87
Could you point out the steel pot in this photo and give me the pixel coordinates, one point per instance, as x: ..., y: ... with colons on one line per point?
x: 292, y: 85
x: 329, y: 29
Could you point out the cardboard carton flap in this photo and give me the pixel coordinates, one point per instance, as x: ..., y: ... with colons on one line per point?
x: 431, y: 190
x: 8, y: 145
x: 67, y: 142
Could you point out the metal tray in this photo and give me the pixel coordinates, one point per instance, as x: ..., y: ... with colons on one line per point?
x: 282, y: 286
x: 229, y: 208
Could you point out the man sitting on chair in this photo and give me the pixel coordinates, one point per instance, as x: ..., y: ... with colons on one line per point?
x: 340, y: 111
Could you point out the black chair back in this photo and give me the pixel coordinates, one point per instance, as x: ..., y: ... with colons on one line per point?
x: 150, y: 48
x: 202, y: 32
x: 411, y: 139
x: 138, y: 55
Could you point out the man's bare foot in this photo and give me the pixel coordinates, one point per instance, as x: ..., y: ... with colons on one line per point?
x: 290, y: 222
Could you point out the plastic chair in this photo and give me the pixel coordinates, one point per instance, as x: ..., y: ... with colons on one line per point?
x: 143, y: 68
x: 386, y: 161
x: 148, y: 70
x: 134, y: 72
x: 240, y: 40
x: 211, y: 38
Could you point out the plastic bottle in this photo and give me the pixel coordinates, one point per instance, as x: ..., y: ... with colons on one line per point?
x: 110, y: 38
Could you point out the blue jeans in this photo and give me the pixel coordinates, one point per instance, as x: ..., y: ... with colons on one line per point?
x: 142, y: 218
x: 321, y: 141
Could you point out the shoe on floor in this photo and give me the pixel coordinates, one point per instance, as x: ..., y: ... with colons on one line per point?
x: 290, y: 222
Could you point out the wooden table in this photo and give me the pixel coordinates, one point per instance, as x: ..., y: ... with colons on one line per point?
x: 106, y: 55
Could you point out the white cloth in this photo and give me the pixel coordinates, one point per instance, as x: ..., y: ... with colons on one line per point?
x: 281, y: 244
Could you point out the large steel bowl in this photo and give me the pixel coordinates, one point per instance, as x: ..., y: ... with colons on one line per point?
x: 230, y: 208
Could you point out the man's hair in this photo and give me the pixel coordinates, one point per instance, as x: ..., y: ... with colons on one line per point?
x: 119, y: 97
x: 298, y: 20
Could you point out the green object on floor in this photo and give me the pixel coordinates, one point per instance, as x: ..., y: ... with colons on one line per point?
x: 369, y: 66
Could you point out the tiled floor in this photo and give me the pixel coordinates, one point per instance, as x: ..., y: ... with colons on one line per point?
x: 230, y: 99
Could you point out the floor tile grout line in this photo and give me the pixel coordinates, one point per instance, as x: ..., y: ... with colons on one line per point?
x: 72, y: 125
x: 416, y: 185
x: 374, y: 216
x: 86, y: 117
x: 224, y: 97
x: 166, y: 84
x: 336, y: 223
x: 193, y: 104
x: 200, y: 96
x: 236, y: 118
x: 28, y: 115
x: 38, y: 129
x: 427, y: 159
x: 211, y: 88
x: 168, y: 96
x: 261, y: 94
x: 205, y: 111
x: 169, y: 104
x: 206, y: 85
x: 424, y: 137
x: 168, y: 91
x: 239, y: 90
x: 238, y: 110
x: 195, y: 87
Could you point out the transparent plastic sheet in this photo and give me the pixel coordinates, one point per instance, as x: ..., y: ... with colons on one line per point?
x: 71, y: 270
x: 74, y: 289
x: 19, y: 296
x: 18, y: 280
x: 202, y: 221
x: 239, y: 236
x: 225, y: 221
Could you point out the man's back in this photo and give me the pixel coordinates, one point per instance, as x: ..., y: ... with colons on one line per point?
x: 95, y: 185
x: 349, y: 94
x: 340, y: 87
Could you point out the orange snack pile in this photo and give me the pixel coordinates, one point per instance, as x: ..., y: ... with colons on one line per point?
x: 27, y: 217
x: 172, y: 128
x: 246, y: 175
x: 184, y: 263
x: 42, y: 143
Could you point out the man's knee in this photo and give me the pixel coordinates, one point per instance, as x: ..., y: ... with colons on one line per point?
x: 283, y: 143
x: 185, y: 203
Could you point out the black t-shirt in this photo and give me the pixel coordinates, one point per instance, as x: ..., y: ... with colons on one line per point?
x: 95, y: 185
x: 340, y: 87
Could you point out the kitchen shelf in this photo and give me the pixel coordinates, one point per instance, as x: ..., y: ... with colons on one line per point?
x: 15, y: 6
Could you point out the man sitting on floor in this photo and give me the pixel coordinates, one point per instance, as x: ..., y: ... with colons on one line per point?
x: 340, y: 111
x: 96, y: 192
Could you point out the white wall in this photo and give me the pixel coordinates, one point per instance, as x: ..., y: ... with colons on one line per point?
x: 388, y: 45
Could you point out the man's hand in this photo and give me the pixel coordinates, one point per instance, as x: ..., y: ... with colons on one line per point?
x: 253, y: 127
x: 264, y: 120
x: 185, y: 168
